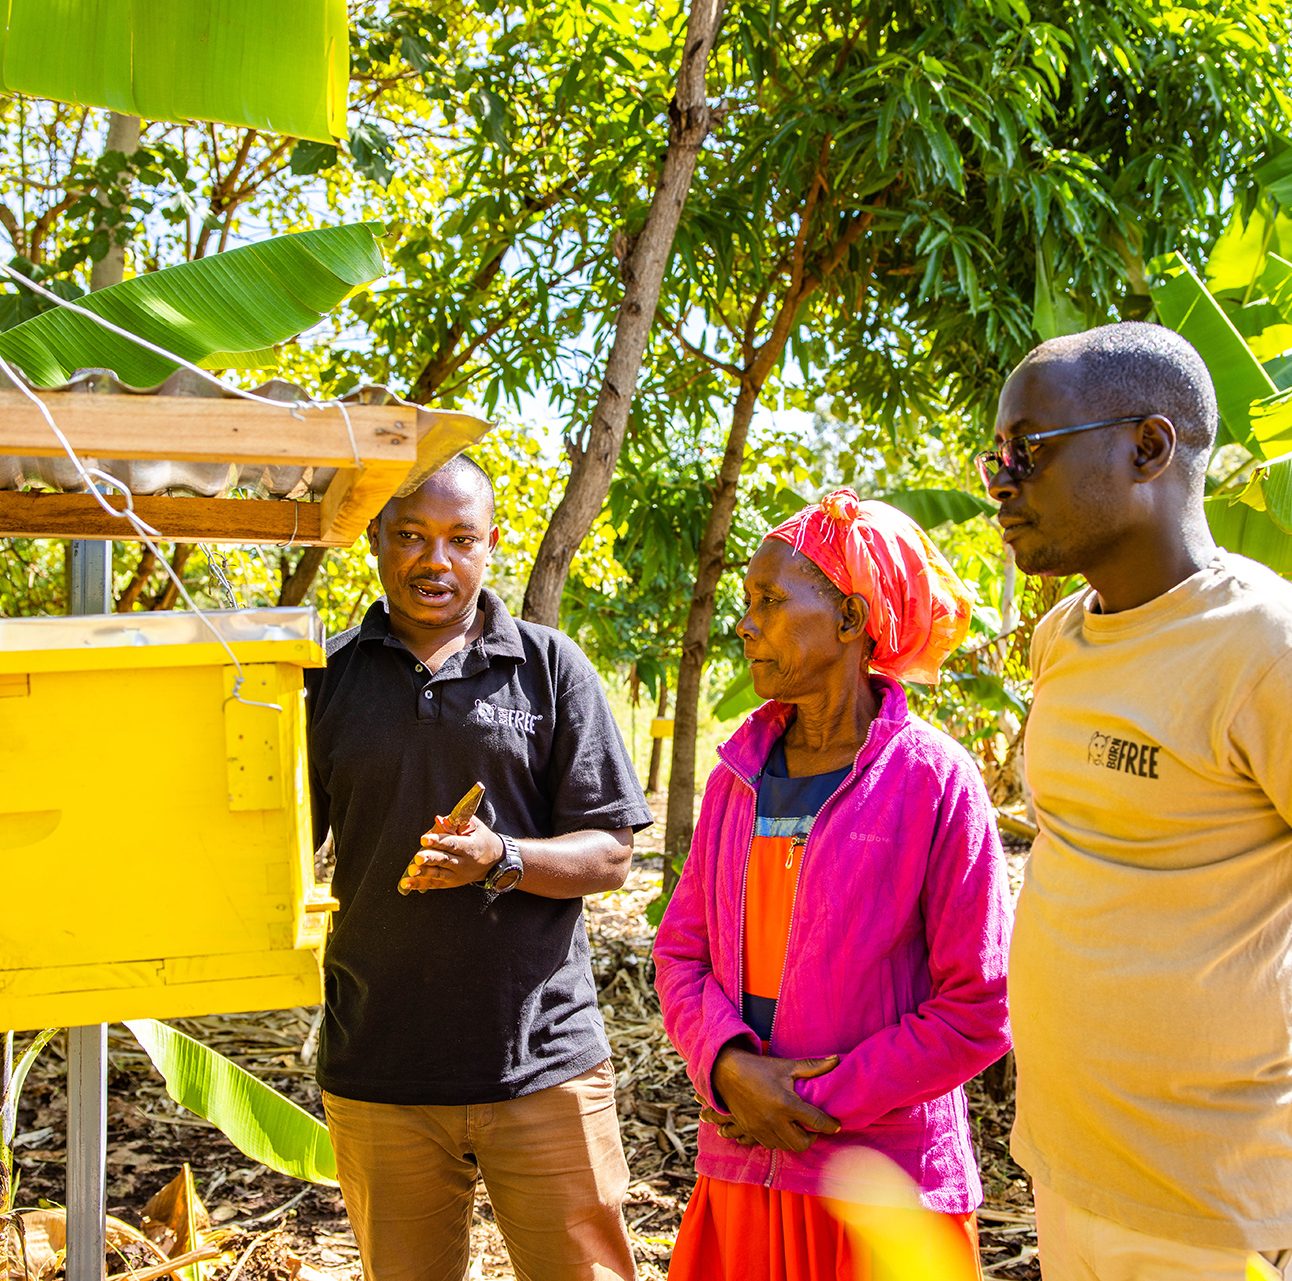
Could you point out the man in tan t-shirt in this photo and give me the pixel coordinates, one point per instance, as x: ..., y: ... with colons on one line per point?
x: 1151, y: 967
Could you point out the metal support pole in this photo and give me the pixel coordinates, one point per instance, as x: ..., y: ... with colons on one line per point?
x: 87, y: 1047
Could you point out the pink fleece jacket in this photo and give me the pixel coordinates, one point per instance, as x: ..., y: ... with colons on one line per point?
x: 896, y: 959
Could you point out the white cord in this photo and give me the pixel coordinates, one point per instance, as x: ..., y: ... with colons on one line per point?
x: 93, y: 478
x: 295, y: 406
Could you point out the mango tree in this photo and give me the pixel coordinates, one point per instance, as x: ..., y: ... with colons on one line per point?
x: 971, y: 175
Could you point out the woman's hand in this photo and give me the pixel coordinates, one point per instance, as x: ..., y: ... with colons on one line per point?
x: 758, y: 1090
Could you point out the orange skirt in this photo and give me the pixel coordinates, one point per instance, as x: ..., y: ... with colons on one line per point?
x: 746, y: 1232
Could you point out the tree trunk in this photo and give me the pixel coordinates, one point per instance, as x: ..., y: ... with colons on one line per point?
x: 449, y: 355
x: 643, y: 269
x: 169, y: 594
x: 680, y: 821
x: 759, y: 362
x: 139, y: 580
x: 657, y: 744
x: 123, y: 136
x: 297, y: 584
x: 998, y: 1079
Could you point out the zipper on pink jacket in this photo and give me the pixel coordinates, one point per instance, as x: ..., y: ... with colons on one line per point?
x: 789, y: 936
x: 751, y: 784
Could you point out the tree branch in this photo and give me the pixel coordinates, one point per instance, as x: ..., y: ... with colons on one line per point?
x: 443, y: 363
x: 44, y: 223
x: 712, y: 361
x: 643, y: 273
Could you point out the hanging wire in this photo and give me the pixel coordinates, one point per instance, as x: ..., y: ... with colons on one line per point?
x: 93, y: 478
x: 294, y: 406
x: 218, y: 564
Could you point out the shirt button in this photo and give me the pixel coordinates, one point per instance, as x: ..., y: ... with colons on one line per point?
x: 418, y: 668
x: 428, y: 693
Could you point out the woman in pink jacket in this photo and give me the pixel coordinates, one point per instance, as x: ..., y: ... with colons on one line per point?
x: 832, y: 964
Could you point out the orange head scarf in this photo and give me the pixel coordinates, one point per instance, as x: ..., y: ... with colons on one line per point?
x: 919, y: 609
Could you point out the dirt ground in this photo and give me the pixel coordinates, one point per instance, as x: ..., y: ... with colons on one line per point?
x: 275, y: 1229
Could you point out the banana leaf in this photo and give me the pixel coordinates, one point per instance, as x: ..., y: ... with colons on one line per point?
x: 737, y: 699
x: 281, y: 66
x: 13, y: 1086
x: 1184, y: 304
x: 1270, y: 490
x: 1237, y: 260
x: 1272, y: 426
x: 9, y: 1117
x: 1277, y: 487
x: 256, y: 1119
x: 221, y: 311
x: 1240, y: 527
x: 930, y: 508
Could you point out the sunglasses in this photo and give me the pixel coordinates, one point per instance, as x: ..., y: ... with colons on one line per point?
x: 1017, y: 454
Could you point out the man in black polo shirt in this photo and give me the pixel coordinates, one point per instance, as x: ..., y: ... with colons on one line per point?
x: 461, y: 1033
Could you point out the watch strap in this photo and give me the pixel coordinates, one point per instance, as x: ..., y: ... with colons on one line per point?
x: 507, y: 872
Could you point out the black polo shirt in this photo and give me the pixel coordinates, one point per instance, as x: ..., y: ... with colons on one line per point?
x: 443, y: 997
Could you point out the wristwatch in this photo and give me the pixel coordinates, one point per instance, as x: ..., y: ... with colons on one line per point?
x: 507, y: 872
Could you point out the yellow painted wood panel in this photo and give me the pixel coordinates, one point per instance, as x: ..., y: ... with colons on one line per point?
x: 75, y: 996
x: 154, y: 838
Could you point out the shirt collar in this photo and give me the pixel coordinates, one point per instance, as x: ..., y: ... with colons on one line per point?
x: 500, y: 638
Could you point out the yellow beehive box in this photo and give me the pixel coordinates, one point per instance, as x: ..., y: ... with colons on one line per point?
x: 156, y: 857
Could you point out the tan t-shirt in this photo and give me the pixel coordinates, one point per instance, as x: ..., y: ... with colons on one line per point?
x: 1151, y: 966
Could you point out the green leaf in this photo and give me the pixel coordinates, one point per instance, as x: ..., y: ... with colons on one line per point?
x: 265, y: 358
x: 9, y: 1115
x: 1279, y: 369
x: 1278, y: 494
x: 1241, y: 528
x: 265, y: 1125
x: 372, y: 149
x: 311, y: 157
x: 1264, y: 329
x: 1272, y: 425
x: 1053, y: 311
x: 1184, y: 304
x: 930, y: 508
x: 737, y: 699
x: 491, y: 113
x: 988, y: 690
x: 1276, y: 281
x: 9, y: 1101
x: 1238, y: 257
x: 242, y: 301
x: 1274, y: 174
x: 282, y: 67
x: 1270, y: 490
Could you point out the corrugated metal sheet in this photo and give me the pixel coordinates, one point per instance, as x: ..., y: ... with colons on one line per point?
x: 203, y: 480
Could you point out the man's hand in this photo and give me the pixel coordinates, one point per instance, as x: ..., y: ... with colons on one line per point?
x: 448, y: 860
x: 758, y: 1090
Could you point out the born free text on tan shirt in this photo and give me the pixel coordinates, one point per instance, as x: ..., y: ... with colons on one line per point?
x: 1151, y: 965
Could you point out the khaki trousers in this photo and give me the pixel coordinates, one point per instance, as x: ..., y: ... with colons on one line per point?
x: 1076, y: 1245
x: 552, y: 1162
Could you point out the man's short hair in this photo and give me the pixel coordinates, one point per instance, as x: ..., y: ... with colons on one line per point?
x: 461, y: 467
x: 1132, y: 368
x: 464, y: 467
